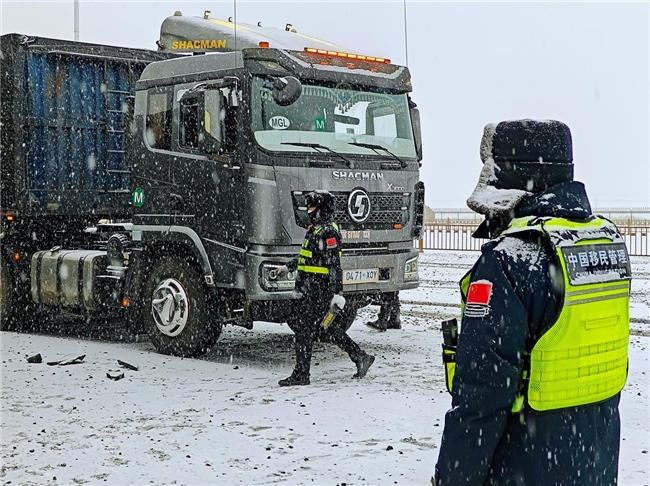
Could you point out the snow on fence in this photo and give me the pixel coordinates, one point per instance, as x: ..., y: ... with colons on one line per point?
x: 458, y: 236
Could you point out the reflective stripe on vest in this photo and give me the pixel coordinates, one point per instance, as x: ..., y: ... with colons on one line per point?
x: 449, y: 353
x: 312, y: 269
x: 464, y: 289
x: 582, y: 358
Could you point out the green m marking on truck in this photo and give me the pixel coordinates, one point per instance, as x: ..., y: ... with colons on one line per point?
x: 138, y: 197
x: 319, y: 123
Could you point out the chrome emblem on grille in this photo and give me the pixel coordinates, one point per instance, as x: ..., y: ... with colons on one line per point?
x: 359, y: 205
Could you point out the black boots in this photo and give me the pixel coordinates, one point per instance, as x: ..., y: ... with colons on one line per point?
x: 294, y: 380
x: 388, y: 317
x: 364, y: 362
x: 379, y: 325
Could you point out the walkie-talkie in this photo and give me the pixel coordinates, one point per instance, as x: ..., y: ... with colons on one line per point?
x: 333, y: 311
x: 450, y: 332
x: 449, y: 344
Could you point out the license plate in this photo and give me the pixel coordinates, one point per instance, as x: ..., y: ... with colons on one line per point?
x: 361, y: 275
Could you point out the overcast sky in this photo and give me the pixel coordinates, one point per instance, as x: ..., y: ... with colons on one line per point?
x: 584, y: 63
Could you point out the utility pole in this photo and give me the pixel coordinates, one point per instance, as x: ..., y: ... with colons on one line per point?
x: 76, y: 20
x: 406, y: 37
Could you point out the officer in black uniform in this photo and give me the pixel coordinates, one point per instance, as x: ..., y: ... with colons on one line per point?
x: 320, y: 283
x: 542, y: 353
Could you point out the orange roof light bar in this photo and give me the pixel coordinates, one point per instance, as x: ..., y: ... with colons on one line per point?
x: 346, y: 55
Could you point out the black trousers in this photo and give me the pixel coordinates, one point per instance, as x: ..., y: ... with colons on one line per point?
x: 310, y: 311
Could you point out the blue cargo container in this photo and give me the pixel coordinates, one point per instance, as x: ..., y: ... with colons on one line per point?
x: 65, y: 122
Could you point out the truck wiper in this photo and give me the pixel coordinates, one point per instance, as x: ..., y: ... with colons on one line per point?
x: 317, y: 146
x: 374, y: 147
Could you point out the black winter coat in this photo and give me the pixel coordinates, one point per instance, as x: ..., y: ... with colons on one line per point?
x: 483, y: 443
x: 324, y: 241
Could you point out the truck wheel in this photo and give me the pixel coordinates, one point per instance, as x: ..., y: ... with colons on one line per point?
x: 175, y: 309
x: 7, y: 300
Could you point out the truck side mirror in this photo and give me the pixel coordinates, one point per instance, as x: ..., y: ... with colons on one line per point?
x: 210, y: 135
x: 286, y: 90
x: 417, y: 131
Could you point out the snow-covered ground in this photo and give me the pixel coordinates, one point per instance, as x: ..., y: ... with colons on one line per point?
x: 221, y: 419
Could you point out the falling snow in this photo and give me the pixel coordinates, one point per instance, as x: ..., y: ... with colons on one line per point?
x: 222, y: 419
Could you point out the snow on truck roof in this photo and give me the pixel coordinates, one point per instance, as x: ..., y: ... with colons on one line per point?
x: 181, y: 34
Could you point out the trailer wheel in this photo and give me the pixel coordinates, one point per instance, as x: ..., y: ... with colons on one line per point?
x: 175, y: 309
x: 7, y: 300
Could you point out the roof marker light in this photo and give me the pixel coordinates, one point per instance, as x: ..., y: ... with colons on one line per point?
x: 264, y: 44
x: 346, y: 55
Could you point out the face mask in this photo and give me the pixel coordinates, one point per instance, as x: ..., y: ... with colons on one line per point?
x: 313, y: 214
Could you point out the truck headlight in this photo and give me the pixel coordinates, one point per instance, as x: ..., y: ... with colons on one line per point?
x: 411, y: 270
x: 270, y: 282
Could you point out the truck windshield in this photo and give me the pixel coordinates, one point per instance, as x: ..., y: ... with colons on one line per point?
x: 346, y: 121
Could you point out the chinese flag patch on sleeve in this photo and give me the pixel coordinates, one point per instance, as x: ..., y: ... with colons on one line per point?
x: 479, y: 292
x: 331, y: 242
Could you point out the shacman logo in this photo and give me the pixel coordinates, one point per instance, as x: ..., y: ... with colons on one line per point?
x: 200, y: 44
x: 359, y: 205
x: 357, y: 176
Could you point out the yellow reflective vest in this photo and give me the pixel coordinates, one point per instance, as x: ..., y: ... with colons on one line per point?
x: 582, y: 357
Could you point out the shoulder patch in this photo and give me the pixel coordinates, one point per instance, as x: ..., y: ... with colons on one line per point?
x: 331, y: 242
x: 478, y: 299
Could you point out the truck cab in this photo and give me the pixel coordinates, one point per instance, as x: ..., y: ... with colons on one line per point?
x: 227, y: 144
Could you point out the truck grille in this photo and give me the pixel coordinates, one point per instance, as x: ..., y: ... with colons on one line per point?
x: 386, y: 210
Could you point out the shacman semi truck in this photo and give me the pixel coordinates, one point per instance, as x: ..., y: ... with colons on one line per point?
x: 165, y: 187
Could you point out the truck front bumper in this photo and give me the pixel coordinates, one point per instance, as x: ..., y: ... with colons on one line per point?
x: 392, y: 275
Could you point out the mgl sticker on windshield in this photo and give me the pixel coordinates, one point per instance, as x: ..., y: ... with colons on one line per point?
x: 279, y: 123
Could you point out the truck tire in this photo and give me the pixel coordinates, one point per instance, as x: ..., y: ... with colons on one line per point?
x: 7, y: 297
x: 18, y: 312
x: 175, y: 310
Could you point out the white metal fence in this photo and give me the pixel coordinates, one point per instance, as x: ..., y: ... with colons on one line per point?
x: 458, y: 236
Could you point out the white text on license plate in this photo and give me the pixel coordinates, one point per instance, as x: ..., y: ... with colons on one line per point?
x: 361, y: 275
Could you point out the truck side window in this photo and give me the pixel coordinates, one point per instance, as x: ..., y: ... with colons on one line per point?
x: 159, y: 120
x: 201, y: 116
x: 188, y: 128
